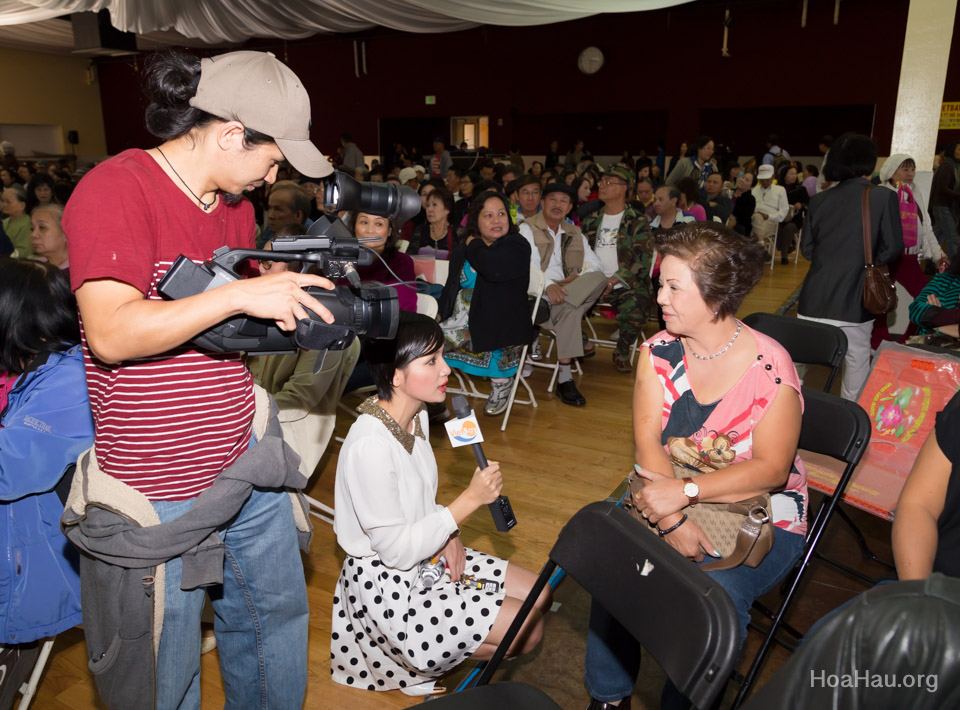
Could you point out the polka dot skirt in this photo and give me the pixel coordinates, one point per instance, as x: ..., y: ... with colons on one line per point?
x: 389, y: 632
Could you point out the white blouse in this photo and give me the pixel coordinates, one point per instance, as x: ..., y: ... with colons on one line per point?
x: 385, y: 498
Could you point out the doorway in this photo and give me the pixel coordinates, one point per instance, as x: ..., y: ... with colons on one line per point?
x: 472, y: 130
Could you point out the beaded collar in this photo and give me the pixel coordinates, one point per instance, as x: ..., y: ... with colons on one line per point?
x: 405, y: 438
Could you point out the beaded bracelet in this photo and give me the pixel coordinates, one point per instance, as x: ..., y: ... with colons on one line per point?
x: 672, y: 528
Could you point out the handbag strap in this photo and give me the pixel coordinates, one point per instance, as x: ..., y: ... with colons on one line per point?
x: 746, y: 540
x: 867, y: 232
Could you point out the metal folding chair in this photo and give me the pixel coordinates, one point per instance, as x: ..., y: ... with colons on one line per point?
x: 833, y: 427
x: 618, y: 563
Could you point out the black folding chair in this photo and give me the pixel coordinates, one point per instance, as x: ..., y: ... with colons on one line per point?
x: 833, y: 427
x: 812, y: 343
x: 905, y: 635
x: 691, y: 627
x: 807, y: 342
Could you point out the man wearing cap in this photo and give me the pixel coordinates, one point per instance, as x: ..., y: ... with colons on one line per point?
x: 622, y: 240
x: 409, y: 178
x: 772, y: 205
x: 171, y: 418
x: 574, y: 278
x: 441, y: 161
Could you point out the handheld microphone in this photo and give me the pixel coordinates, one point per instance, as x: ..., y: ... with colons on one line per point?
x: 466, y: 430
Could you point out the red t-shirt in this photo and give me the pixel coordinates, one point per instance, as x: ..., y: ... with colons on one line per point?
x: 168, y: 424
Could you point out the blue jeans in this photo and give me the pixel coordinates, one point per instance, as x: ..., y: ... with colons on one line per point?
x: 261, y: 613
x: 613, y: 655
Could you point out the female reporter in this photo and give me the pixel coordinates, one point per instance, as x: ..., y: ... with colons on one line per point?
x: 389, y: 630
x: 713, y: 393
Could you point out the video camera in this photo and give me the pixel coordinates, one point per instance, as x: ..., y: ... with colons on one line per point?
x: 358, y: 309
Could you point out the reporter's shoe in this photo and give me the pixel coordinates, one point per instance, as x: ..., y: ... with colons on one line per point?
x: 569, y: 394
x: 499, y: 396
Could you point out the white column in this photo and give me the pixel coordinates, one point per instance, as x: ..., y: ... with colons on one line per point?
x: 926, y: 51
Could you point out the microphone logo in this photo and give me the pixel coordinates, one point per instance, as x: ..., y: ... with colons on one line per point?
x: 463, y: 432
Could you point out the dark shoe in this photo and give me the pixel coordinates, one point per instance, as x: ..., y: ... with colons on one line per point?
x: 621, y: 363
x: 569, y: 394
x: 597, y: 705
x: 784, y: 260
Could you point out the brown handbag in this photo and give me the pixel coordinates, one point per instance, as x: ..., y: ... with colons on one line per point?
x: 879, y: 293
x: 742, y: 531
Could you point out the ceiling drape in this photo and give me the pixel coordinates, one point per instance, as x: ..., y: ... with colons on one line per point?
x: 217, y: 22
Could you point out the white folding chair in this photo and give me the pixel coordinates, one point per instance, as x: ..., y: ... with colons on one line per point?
x: 555, y: 365
x: 440, y: 270
x: 535, y: 289
x: 29, y: 687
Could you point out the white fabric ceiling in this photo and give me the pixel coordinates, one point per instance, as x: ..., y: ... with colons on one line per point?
x: 32, y: 23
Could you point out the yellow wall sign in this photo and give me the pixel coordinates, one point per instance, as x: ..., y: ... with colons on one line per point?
x: 950, y: 115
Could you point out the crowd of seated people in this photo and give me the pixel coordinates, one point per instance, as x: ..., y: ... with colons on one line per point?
x: 594, y: 232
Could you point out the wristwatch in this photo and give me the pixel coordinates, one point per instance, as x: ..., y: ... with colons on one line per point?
x: 691, y: 490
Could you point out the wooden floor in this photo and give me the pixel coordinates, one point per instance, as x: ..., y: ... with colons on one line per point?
x: 555, y: 459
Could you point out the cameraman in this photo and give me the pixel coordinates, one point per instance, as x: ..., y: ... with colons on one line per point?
x: 169, y: 419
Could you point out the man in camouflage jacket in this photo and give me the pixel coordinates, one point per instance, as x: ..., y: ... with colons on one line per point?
x: 621, y: 230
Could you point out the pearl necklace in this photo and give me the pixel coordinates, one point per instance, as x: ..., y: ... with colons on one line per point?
x: 722, y: 350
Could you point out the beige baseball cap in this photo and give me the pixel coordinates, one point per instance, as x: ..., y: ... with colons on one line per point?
x: 262, y: 93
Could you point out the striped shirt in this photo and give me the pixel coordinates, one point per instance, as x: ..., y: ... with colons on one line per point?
x: 946, y: 287
x: 166, y: 425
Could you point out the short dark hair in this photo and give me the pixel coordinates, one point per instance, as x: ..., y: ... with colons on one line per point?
x: 702, y: 142
x: 688, y: 187
x: 773, y: 139
x: 485, y: 185
x: 346, y: 137
x: 38, y: 313
x: 512, y: 168
x: 726, y: 265
x: 827, y: 140
x: 172, y: 79
x: 813, y: 170
x: 476, y: 207
x: 390, y: 247
x: 445, y: 196
x: 853, y: 155
x: 672, y: 192
x: 527, y: 180
x: 417, y: 335
x: 36, y: 180
x: 647, y: 180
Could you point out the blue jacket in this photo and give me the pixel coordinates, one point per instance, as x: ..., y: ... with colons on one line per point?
x: 47, y: 424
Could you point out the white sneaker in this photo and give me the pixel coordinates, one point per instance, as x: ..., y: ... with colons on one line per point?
x: 499, y: 396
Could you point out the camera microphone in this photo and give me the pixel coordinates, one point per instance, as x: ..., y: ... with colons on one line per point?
x: 465, y: 430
